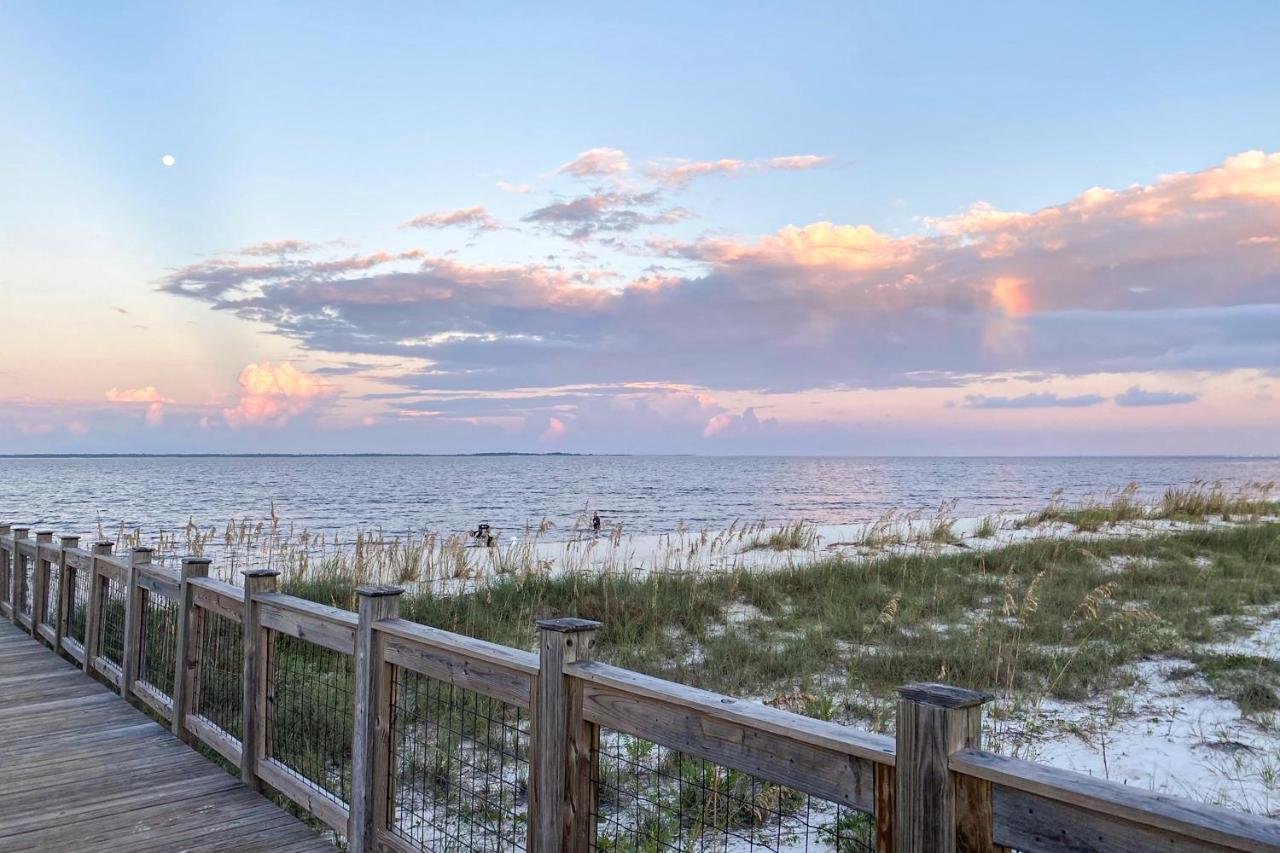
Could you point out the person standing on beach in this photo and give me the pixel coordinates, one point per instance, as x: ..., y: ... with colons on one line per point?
x: 595, y: 522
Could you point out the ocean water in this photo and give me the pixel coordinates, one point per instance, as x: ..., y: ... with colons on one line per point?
x: 646, y: 494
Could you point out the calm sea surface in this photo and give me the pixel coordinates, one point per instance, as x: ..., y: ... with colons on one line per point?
x: 648, y: 494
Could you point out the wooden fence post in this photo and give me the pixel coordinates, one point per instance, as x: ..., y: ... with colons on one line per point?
x: 370, y: 744
x: 934, y: 721
x: 93, y: 618
x: 186, y: 646
x: 886, y: 796
x: 65, y: 583
x: 6, y: 575
x: 253, y: 710
x: 18, y: 575
x: 39, y: 584
x: 132, y: 645
x: 562, y: 795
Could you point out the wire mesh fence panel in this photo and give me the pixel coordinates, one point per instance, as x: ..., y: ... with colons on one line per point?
x: 653, y: 799
x: 309, y: 717
x: 157, y: 640
x: 111, y: 641
x: 52, y: 585
x: 28, y: 584
x: 219, y: 684
x: 78, y: 614
x: 459, y: 772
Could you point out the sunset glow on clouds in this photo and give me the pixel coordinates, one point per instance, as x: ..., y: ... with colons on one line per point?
x: 275, y: 393
x: 1168, y: 277
x: 689, y: 252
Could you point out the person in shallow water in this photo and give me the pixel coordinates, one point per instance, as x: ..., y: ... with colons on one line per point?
x: 595, y: 521
x: 483, y: 536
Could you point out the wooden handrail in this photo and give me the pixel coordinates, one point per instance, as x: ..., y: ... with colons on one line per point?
x: 871, y: 747
x: 497, y: 671
x: 1090, y: 796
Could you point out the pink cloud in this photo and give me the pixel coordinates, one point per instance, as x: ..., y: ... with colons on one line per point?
x: 679, y: 172
x: 147, y: 394
x: 596, y: 162
x: 554, y: 432
x: 729, y: 425
x: 154, y: 415
x: 279, y: 247
x: 272, y: 394
x: 468, y: 217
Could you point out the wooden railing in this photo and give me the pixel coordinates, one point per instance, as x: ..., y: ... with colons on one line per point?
x: 403, y: 737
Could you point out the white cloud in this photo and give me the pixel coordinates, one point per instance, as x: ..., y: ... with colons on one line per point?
x: 273, y: 394
x: 595, y: 163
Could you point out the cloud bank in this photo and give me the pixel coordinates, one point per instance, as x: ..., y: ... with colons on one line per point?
x: 1168, y: 276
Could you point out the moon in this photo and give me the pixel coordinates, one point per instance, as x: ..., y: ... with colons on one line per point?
x: 168, y: 160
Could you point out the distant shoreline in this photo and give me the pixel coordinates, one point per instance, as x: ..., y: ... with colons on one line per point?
x: 506, y: 453
x: 284, y: 455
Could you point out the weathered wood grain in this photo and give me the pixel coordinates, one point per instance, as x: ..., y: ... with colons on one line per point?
x: 93, y: 615
x: 158, y: 581
x: 82, y: 770
x: 253, y: 723
x: 209, y: 734
x: 933, y: 722
x: 66, y: 582
x: 460, y: 645
x: 372, y: 730
x: 187, y: 645
x: 318, y: 628
x: 219, y: 597
x: 131, y: 653
x: 314, y: 800
x: 145, y: 693
x: 457, y: 666
x: 874, y: 748
x: 885, y: 795
x: 1102, y: 815
x: 789, y: 761
x: 564, y: 741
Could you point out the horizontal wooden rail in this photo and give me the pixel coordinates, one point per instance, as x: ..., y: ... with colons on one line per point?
x: 313, y: 799
x: 1049, y: 809
x: 315, y: 623
x: 871, y: 747
x: 158, y: 580
x: 219, y: 597
x: 825, y: 760
x: 497, y: 671
x: 209, y: 734
x: 78, y: 558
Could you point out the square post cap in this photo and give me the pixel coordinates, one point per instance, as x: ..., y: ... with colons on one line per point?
x: 568, y: 625
x: 260, y: 573
x: 378, y: 591
x: 942, y: 695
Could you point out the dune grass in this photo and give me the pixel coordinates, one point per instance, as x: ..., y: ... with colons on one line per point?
x: 798, y: 536
x: 1056, y: 618
x: 1196, y: 502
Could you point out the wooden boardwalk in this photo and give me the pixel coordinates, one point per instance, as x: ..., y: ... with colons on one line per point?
x: 81, y: 769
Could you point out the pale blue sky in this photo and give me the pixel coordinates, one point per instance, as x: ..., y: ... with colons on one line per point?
x: 339, y: 121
